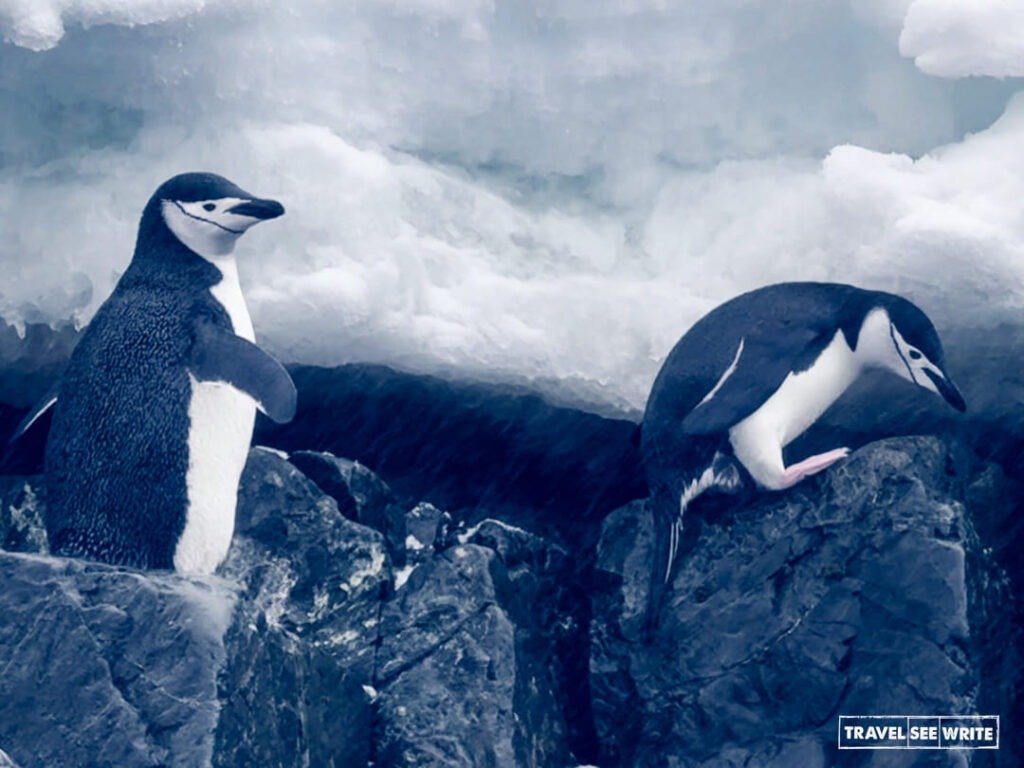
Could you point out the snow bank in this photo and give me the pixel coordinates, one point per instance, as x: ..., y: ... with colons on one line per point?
x: 40, y: 24
x: 550, y: 192
x: 959, y: 38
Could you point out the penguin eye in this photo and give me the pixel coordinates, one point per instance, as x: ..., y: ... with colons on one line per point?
x: 914, y: 354
x: 209, y: 206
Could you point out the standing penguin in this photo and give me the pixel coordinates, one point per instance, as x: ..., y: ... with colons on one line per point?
x: 751, y: 376
x: 155, y: 411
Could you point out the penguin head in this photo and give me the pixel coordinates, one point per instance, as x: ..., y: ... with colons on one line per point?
x: 207, y: 213
x: 899, y: 337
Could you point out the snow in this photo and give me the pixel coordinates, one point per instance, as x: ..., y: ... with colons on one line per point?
x: 347, y: 637
x: 40, y: 24
x: 402, y: 576
x: 959, y: 38
x: 212, y: 598
x: 365, y: 571
x: 473, y: 530
x: 273, y: 451
x: 531, y: 192
x: 275, y: 591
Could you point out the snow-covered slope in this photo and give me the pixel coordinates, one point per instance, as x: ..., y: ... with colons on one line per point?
x: 539, y: 191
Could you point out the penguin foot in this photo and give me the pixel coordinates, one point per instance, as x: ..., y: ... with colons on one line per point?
x: 811, y: 466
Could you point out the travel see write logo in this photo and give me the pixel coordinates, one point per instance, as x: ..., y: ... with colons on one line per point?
x: 914, y: 732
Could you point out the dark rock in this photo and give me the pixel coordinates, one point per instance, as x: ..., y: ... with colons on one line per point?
x: 850, y: 595
x: 446, y: 667
x: 519, y: 550
x: 863, y: 592
x: 468, y: 670
x: 360, y: 494
x: 534, y: 586
x: 297, y: 690
x: 108, y: 667
x: 447, y: 533
x: 22, y: 528
x: 474, y: 449
x: 332, y: 475
x: 425, y: 526
x: 991, y: 497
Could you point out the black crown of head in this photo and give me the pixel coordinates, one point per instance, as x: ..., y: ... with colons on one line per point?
x: 192, y: 187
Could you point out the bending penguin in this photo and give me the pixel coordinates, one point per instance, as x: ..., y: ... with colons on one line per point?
x: 155, y: 412
x: 751, y: 376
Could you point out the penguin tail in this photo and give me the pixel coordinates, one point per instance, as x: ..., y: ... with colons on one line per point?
x: 676, y: 533
x: 658, y: 584
x: 668, y: 539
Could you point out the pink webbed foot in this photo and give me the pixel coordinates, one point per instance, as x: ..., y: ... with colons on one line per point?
x: 811, y: 466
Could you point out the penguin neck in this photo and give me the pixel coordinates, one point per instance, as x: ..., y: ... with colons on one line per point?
x: 228, y: 293
x: 874, y: 343
x: 162, y: 258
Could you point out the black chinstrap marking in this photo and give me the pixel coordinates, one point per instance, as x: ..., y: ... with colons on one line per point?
x: 208, y: 221
x: 892, y: 334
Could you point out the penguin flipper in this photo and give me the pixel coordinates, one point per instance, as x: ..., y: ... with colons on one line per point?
x: 763, y: 361
x: 45, y: 403
x: 220, y: 355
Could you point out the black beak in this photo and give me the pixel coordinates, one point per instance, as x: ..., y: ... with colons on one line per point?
x: 948, y: 390
x: 258, y: 209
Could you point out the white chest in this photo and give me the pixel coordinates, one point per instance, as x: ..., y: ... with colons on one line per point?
x: 802, y: 398
x: 221, y: 420
x: 228, y: 292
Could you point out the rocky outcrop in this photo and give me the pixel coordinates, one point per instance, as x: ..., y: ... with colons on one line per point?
x: 309, y: 648
x: 108, y: 667
x: 447, y: 667
x: 296, y: 688
x: 269, y: 664
x: 848, y: 595
x: 349, y: 627
x: 360, y: 494
x: 468, y: 669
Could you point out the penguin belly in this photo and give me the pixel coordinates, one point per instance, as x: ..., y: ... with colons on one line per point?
x: 803, y: 397
x: 220, y: 430
x: 221, y: 421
